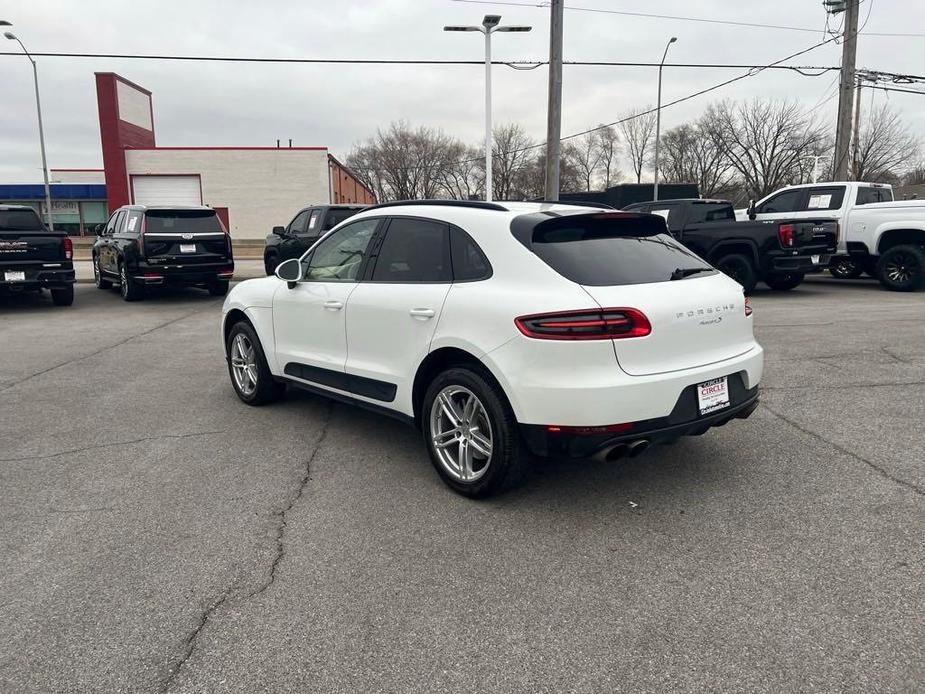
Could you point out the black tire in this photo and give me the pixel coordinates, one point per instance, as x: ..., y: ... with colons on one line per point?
x: 267, y: 389
x: 902, y: 268
x: 844, y: 268
x: 98, y: 279
x: 783, y: 283
x: 63, y: 296
x: 270, y: 261
x: 740, y: 268
x: 507, y: 464
x: 218, y: 288
x: 130, y: 291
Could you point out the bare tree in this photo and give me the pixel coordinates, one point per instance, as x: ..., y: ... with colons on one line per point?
x: 584, y: 155
x: 885, y: 149
x: 464, y: 177
x: 513, y: 154
x: 638, y: 129
x: 765, y: 142
x: 692, y: 153
x: 532, y: 184
x: 405, y: 163
x: 608, y: 145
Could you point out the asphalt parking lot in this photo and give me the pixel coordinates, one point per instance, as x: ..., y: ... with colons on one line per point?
x: 159, y: 536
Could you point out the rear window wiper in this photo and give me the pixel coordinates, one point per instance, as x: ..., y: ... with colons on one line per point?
x: 682, y: 272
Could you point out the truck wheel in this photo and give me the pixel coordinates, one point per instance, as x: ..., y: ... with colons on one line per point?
x: 783, y: 283
x: 739, y: 267
x: 98, y: 276
x: 63, y: 296
x: 129, y: 290
x: 902, y: 268
x: 844, y: 268
x: 270, y: 261
x: 218, y: 288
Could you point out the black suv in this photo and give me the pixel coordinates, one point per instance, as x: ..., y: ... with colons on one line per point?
x: 144, y: 246
x: 292, y: 240
x: 34, y: 258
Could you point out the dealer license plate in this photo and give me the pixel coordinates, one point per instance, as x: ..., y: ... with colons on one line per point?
x: 187, y: 248
x: 815, y: 259
x: 14, y: 276
x: 713, y: 395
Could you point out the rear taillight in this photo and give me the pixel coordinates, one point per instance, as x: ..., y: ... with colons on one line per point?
x: 748, y: 308
x: 785, y: 234
x: 591, y: 324
x: 68, y: 248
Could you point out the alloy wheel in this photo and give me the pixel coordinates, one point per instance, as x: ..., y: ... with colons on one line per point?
x: 901, y: 268
x: 460, y: 432
x: 244, y: 364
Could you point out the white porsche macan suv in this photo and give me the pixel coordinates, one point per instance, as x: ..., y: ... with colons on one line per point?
x: 566, y: 330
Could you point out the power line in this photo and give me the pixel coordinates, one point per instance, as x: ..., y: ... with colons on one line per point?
x: 893, y: 89
x: 674, y: 17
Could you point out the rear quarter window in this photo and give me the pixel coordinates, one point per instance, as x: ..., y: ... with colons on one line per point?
x: 607, y: 250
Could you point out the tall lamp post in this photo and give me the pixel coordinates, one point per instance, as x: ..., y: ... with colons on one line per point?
x: 38, y: 105
x: 490, y: 24
x: 658, y: 114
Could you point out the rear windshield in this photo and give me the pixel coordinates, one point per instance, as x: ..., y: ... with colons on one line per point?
x: 602, y: 250
x: 20, y: 220
x: 337, y: 216
x: 189, y: 221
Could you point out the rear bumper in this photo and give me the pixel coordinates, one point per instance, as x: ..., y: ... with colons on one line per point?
x: 43, y: 275
x: 801, y: 263
x: 183, y: 275
x: 684, y: 420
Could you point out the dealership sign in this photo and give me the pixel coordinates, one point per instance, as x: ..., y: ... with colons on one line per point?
x: 63, y: 207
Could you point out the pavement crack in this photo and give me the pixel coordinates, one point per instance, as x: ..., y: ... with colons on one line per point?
x: 191, y: 641
x: 128, y: 442
x: 890, y: 353
x: 886, y: 474
x: 7, y: 386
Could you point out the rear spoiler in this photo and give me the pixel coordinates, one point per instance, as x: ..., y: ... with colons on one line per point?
x: 529, y: 228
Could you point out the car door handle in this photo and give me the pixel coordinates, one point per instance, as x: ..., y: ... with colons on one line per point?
x: 422, y: 312
x: 333, y: 305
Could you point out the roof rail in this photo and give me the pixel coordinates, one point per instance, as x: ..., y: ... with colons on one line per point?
x: 475, y: 204
x: 577, y: 203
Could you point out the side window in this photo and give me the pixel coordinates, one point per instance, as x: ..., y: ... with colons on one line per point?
x: 469, y: 262
x: 133, y: 226
x: 414, y: 250
x: 825, y: 198
x: 869, y: 195
x: 119, y: 224
x: 313, y: 228
x: 111, y: 224
x: 782, y: 202
x: 297, y: 225
x: 339, y: 257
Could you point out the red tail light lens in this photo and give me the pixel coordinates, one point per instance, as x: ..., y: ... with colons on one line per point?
x: 785, y: 234
x: 68, y: 248
x: 748, y: 308
x: 591, y: 324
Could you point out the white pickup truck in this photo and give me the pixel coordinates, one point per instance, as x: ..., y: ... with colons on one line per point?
x: 878, y: 235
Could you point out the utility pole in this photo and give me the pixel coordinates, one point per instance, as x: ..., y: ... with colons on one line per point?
x: 554, y: 113
x: 846, y: 91
x: 856, y: 137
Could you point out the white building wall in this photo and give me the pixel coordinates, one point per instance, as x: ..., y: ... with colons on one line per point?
x: 261, y: 188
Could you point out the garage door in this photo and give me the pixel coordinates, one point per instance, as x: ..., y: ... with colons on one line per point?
x: 166, y: 190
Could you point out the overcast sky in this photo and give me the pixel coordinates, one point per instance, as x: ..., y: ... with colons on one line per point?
x: 220, y: 104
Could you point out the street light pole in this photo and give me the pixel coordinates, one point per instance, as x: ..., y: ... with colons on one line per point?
x: 490, y: 24
x: 658, y: 114
x: 38, y: 106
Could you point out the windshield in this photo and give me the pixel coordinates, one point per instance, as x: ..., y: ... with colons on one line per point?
x: 607, y: 251
x: 20, y: 220
x: 189, y: 221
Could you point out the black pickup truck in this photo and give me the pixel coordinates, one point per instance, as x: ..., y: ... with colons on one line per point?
x: 292, y: 240
x: 777, y: 252
x: 34, y: 258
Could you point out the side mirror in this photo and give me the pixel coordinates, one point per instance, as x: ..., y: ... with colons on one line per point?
x: 280, y: 231
x: 290, y: 271
x: 752, y: 215
x: 99, y: 229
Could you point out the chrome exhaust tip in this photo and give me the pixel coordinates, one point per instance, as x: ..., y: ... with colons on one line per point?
x: 638, y: 447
